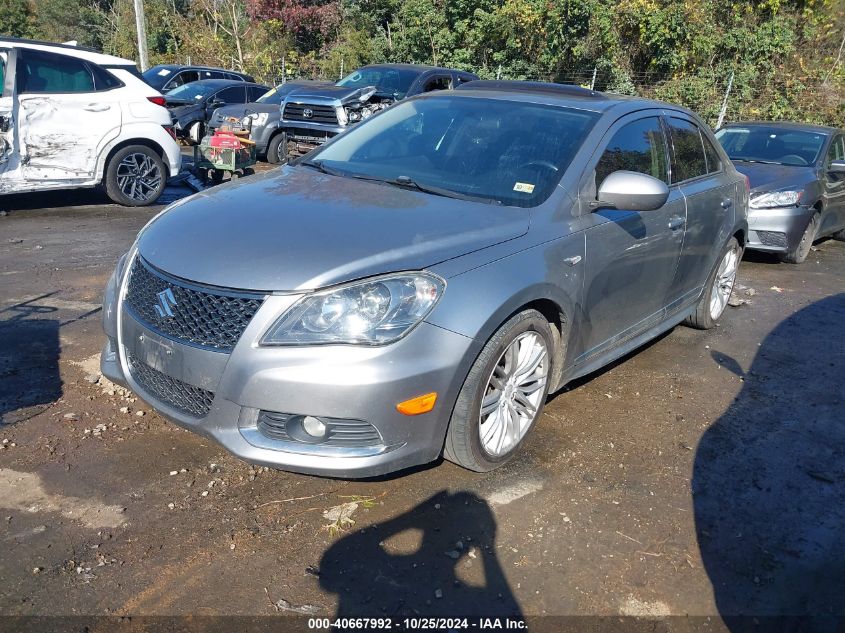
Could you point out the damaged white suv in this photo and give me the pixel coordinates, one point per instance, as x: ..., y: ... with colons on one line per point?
x: 71, y: 117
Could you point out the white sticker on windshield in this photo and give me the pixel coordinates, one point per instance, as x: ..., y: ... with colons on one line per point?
x: 524, y: 187
x: 163, y: 72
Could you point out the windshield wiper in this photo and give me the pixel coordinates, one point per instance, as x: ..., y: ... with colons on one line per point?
x: 407, y: 182
x: 755, y: 160
x: 320, y: 166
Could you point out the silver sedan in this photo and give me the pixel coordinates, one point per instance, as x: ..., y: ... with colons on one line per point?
x: 419, y: 285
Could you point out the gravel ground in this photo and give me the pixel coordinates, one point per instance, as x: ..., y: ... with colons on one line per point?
x: 702, y: 475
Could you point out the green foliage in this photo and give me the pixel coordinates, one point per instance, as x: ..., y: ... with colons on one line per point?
x: 785, y: 55
x: 16, y: 19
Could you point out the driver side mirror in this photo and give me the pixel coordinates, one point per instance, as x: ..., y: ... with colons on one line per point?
x: 216, y: 103
x: 632, y: 191
x: 837, y: 166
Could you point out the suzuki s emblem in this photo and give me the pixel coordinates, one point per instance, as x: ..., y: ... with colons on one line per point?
x: 308, y: 113
x: 165, y: 302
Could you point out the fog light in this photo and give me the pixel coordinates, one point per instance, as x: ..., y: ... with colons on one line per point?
x: 314, y: 426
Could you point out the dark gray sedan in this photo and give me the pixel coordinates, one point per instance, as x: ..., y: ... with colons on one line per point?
x: 417, y: 286
x: 797, y: 176
x: 266, y: 115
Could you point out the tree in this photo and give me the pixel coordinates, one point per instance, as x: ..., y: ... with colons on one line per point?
x: 15, y: 18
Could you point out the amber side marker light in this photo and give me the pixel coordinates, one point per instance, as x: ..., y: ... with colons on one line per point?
x: 420, y: 404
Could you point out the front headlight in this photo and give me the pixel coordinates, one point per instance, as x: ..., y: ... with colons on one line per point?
x: 775, y: 199
x: 258, y: 118
x: 372, y: 312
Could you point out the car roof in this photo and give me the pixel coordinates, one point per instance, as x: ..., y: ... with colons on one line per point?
x: 786, y: 125
x: 193, y: 67
x: 567, y: 95
x: 420, y: 68
x: 222, y: 83
x: 81, y: 52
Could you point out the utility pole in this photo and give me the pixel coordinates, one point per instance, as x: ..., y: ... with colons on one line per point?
x: 724, y: 109
x: 141, y: 27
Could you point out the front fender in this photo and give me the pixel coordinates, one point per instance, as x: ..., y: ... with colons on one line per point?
x: 477, y: 302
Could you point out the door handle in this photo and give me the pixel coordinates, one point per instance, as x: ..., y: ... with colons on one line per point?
x: 572, y: 260
x: 727, y: 202
x: 677, y: 222
x: 97, y: 107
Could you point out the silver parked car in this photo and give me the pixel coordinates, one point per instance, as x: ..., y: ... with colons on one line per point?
x: 418, y: 285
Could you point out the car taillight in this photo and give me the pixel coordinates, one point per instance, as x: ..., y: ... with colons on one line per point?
x: 169, y: 129
x: 158, y: 100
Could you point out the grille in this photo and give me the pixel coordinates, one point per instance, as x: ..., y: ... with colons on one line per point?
x: 341, y: 433
x: 197, y: 315
x: 772, y: 238
x: 183, y: 397
x: 321, y: 113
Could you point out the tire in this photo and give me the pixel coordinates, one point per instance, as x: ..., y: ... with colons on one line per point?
x: 724, y: 274
x: 277, y: 149
x: 528, y: 332
x: 798, y: 252
x: 135, y: 176
x: 216, y: 175
x: 196, y: 132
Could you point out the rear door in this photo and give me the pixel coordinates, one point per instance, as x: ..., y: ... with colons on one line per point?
x: 710, y: 192
x: 834, y: 189
x: 68, y: 110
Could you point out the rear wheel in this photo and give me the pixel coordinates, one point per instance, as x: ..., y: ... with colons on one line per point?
x: 503, y: 394
x: 718, y: 289
x: 277, y: 149
x: 798, y: 252
x: 135, y: 176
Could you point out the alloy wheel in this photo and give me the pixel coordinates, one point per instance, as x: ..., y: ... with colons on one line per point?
x: 513, y: 394
x: 723, y: 284
x: 138, y: 177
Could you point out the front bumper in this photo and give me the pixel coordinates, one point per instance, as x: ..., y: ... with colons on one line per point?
x: 332, y: 381
x: 777, y: 230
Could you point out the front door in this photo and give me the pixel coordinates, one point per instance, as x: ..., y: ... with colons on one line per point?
x: 834, y: 189
x: 630, y: 256
x: 8, y: 144
x: 64, y: 118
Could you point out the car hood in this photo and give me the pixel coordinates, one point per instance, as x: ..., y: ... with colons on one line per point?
x: 297, y: 229
x: 239, y: 111
x: 763, y: 177
x: 342, y: 94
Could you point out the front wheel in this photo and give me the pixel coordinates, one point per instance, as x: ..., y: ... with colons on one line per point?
x: 135, y: 176
x: 277, y: 149
x: 718, y: 290
x: 797, y: 253
x: 503, y: 394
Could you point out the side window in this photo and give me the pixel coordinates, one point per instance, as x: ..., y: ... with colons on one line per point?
x: 254, y: 92
x: 442, y: 82
x: 103, y: 79
x: 212, y: 74
x: 688, y: 159
x: 235, y: 94
x: 49, y: 72
x: 637, y: 146
x: 714, y: 163
x: 837, y: 149
x: 3, y: 56
x: 182, y: 78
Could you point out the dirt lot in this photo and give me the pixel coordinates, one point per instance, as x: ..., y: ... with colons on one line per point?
x: 702, y: 475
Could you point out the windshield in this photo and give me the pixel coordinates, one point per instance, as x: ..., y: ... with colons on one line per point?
x: 272, y: 96
x: 195, y: 91
x: 388, y: 81
x: 771, y: 144
x: 157, y: 76
x: 501, y: 151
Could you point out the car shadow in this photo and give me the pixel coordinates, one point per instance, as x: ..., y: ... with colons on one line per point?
x: 29, y: 361
x: 438, y: 559
x: 769, y: 481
